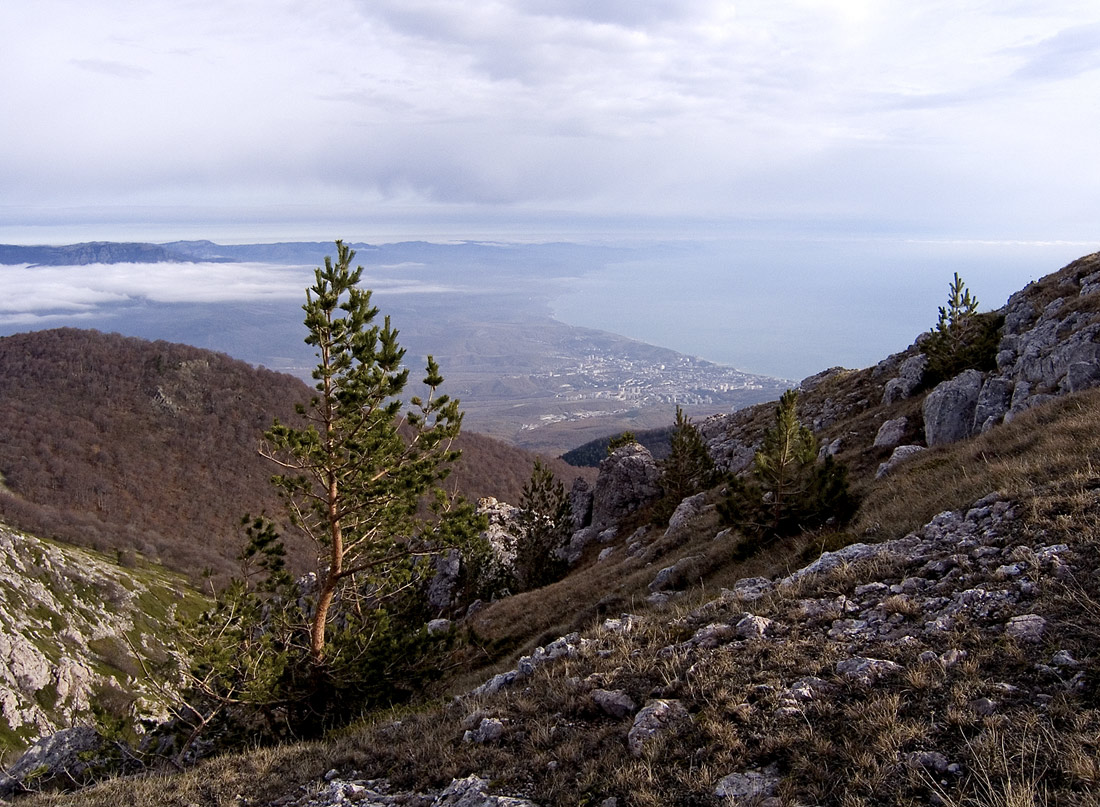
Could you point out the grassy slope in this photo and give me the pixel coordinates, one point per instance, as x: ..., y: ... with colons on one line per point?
x: 1045, y: 460
x: 840, y: 753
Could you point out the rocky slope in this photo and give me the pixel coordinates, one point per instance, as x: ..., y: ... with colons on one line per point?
x: 76, y: 631
x: 942, y: 652
x: 1049, y: 347
x: 929, y: 645
x: 956, y: 665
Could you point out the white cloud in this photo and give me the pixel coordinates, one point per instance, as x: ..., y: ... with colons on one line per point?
x: 640, y: 108
x: 38, y: 293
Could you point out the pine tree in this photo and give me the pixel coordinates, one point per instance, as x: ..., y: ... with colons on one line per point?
x: 273, y: 657
x: 783, y: 463
x: 963, y: 338
x: 790, y: 490
x: 545, y: 523
x: 688, y: 469
x: 354, y: 477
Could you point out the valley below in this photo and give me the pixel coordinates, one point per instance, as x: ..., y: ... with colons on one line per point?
x: 907, y: 615
x: 482, y: 310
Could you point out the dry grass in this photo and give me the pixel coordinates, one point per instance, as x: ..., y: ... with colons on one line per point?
x: 848, y: 746
x: 1056, y: 442
x: 1066, y: 281
x: 1025, y: 762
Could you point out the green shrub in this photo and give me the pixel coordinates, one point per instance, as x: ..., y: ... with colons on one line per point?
x: 688, y: 469
x: 624, y: 439
x: 790, y: 490
x: 545, y: 524
x: 963, y: 339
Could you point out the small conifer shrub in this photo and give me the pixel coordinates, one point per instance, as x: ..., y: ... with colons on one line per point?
x: 545, y: 523
x: 624, y: 439
x: 963, y: 339
x: 789, y: 490
x: 687, y: 470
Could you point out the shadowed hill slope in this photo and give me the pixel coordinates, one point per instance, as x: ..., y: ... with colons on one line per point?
x: 151, y: 447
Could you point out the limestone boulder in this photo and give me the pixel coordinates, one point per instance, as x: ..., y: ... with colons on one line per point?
x: 949, y: 408
x: 580, y: 504
x: 899, y: 455
x: 655, y: 719
x: 628, y: 479
x: 891, y: 433
x: 687, y: 510
x: 907, y: 381
x: 613, y: 702
x: 993, y: 403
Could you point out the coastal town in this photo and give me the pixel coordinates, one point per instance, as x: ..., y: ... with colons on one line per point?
x: 682, y: 380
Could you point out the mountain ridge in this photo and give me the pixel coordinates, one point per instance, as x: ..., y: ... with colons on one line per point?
x: 120, y: 443
x: 940, y: 649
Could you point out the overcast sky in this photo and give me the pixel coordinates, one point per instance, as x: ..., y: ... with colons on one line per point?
x: 967, y: 119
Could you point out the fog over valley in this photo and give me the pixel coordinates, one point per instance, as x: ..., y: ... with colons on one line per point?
x: 780, y: 308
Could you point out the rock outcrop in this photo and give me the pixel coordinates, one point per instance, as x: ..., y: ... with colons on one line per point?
x: 72, y: 756
x: 628, y: 480
x: 902, y: 613
x: 470, y: 791
x: 1050, y: 346
x: 891, y: 433
x: 949, y: 408
x: 70, y: 623
x: 907, y: 380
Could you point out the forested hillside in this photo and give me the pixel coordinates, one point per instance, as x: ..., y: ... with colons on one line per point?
x: 151, y: 447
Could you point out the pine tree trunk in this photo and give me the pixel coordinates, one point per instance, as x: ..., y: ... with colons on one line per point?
x: 335, y: 568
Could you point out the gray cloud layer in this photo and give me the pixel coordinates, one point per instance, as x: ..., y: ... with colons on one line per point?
x: 950, y: 117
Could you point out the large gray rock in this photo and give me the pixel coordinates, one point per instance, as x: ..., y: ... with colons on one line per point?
x: 67, y: 757
x: 725, y: 445
x: 1056, y: 350
x: 1026, y: 628
x: 866, y: 670
x: 628, y: 479
x: 502, y: 536
x: 489, y: 730
x: 900, y: 454
x: 580, y: 504
x: 656, y: 718
x: 473, y: 791
x: 891, y: 432
x: 751, y: 787
x: 675, y: 576
x: 444, y: 583
x: 949, y: 408
x: 613, y: 702
x: 1083, y: 372
x: 686, y: 511
x: 907, y: 381
x: 993, y: 403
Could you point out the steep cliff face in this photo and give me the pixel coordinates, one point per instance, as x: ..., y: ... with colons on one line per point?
x: 77, y: 630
